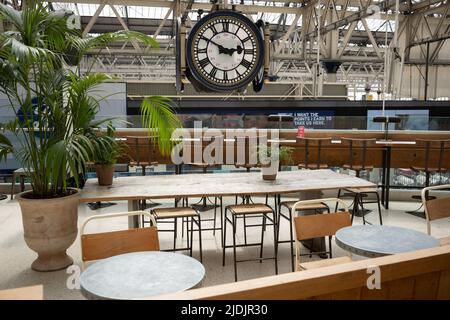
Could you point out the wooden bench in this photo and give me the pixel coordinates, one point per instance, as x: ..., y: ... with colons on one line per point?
x: 423, y: 274
x: 25, y: 293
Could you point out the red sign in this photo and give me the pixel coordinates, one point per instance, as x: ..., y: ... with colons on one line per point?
x: 301, y: 132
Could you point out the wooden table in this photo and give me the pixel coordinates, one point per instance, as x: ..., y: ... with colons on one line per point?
x: 377, y: 241
x: 138, y: 188
x: 140, y: 275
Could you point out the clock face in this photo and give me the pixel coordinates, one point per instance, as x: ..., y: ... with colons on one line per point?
x: 225, y: 51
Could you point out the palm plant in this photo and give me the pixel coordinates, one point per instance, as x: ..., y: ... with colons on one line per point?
x: 54, y: 107
x: 109, y: 149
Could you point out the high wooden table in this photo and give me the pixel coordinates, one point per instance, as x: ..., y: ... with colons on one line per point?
x: 138, y: 188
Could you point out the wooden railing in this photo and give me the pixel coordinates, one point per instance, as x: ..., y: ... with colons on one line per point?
x: 333, y: 154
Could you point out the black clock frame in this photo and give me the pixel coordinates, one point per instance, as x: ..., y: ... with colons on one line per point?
x: 258, y: 81
x: 198, y: 78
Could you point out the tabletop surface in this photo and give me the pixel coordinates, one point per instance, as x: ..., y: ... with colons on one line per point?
x: 217, y: 184
x: 376, y: 241
x: 141, y: 274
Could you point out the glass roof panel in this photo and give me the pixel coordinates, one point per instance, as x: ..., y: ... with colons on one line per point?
x: 84, y: 9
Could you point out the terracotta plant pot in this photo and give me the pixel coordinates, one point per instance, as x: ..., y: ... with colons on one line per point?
x: 269, y: 172
x: 50, y: 227
x: 269, y: 176
x: 105, y: 174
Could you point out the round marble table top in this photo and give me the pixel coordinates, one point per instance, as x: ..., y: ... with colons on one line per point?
x: 377, y: 241
x: 140, y: 274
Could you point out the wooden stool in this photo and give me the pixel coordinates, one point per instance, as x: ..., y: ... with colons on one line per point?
x: 307, y: 163
x: 139, y: 161
x: 318, y: 207
x: 201, y: 206
x: 184, y: 213
x: 249, y: 209
x: 358, y: 165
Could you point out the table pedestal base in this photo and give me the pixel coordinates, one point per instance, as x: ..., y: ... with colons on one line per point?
x: 202, y: 207
x: 99, y: 205
x: 420, y: 214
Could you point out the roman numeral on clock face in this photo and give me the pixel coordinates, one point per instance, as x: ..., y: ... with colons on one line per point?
x: 226, y: 26
x: 202, y: 50
x: 204, y: 62
x: 246, y: 39
x: 246, y: 64
x: 214, y: 30
x: 213, y: 72
x: 248, y: 51
x: 225, y: 75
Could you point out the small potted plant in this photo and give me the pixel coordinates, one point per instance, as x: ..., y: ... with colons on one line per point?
x: 105, y: 156
x: 269, y: 159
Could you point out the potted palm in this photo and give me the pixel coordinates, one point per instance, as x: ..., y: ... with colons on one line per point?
x: 54, y: 125
x: 105, y: 157
x: 269, y: 159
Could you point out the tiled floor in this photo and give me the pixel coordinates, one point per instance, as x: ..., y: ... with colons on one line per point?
x: 16, y: 257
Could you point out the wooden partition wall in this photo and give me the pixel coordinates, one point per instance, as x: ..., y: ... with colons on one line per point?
x: 333, y: 153
x: 423, y: 274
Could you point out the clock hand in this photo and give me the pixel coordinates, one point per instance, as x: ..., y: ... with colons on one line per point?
x: 221, y: 48
x: 239, y: 50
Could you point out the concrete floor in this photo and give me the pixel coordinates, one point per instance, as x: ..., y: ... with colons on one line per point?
x: 16, y: 257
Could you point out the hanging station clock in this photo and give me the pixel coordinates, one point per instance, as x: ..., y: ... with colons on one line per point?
x: 225, y: 52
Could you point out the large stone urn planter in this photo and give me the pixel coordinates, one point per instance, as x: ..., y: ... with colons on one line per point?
x: 50, y: 228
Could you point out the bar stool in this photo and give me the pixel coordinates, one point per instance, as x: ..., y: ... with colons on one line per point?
x: 246, y: 157
x: 202, y: 205
x: 143, y: 145
x: 431, y: 165
x: 310, y: 164
x: 199, y: 162
x: 307, y: 163
x: 359, y: 195
x: 173, y: 213
x: 136, y: 143
x: 256, y: 209
x: 317, y: 207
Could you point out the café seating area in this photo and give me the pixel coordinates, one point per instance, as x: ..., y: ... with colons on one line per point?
x: 318, y: 221
x: 224, y: 149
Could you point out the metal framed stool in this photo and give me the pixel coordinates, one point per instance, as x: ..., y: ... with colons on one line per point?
x: 317, y: 207
x: 218, y: 203
x: 185, y: 213
x: 249, y: 209
x: 359, y: 199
